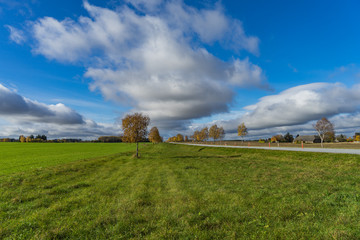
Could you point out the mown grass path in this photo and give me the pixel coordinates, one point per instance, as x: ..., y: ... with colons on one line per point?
x: 186, y: 192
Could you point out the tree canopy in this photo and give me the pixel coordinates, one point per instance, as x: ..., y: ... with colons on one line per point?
x: 135, y: 128
x: 154, y: 135
x: 242, y: 130
x: 216, y: 132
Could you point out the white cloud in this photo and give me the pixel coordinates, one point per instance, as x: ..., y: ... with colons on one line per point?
x: 296, y: 110
x: 22, y: 116
x: 146, y: 5
x: 18, y: 108
x: 89, y: 130
x: 303, y: 103
x: 155, y: 61
x: 16, y: 35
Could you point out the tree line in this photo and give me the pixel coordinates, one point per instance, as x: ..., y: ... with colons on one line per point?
x: 135, y: 130
x: 31, y: 138
x: 214, y: 133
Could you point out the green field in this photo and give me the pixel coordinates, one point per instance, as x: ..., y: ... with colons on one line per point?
x: 17, y: 157
x: 185, y: 192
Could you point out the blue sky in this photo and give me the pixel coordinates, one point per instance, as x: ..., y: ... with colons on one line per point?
x: 277, y: 66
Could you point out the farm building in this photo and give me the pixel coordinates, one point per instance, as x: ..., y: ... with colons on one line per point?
x: 307, y: 139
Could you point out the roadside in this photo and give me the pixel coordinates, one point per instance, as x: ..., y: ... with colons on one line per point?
x: 322, y: 150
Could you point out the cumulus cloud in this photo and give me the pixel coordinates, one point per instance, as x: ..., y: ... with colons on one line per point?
x: 155, y: 60
x: 303, y: 103
x: 14, y: 106
x: 89, y: 130
x: 22, y: 116
x: 298, y: 108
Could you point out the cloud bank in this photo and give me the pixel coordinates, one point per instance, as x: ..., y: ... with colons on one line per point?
x: 152, y: 56
x: 14, y: 105
x: 297, y: 108
x: 53, y: 120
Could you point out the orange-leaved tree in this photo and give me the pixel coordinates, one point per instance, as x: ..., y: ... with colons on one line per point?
x: 204, y: 134
x: 216, y: 132
x: 22, y: 139
x: 179, y: 138
x: 154, y: 135
x: 135, y: 129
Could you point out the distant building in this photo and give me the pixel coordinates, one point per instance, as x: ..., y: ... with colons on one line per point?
x: 307, y: 139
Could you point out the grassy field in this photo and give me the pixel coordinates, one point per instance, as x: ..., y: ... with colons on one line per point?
x: 17, y: 157
x: 186, y: 192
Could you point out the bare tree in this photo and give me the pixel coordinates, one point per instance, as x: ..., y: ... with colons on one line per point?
x: 221, y: 133
x: 324, y: 127
x: 242, y: 130
x: 135, y: 129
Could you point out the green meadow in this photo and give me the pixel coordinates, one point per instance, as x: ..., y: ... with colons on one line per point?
x: 177, y: 192
x: 18, y: 157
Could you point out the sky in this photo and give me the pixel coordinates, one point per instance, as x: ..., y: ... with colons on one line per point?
x: 74, y: 69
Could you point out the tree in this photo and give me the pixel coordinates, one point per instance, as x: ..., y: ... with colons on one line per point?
x: 221, y: 133
x: 214, y: 132
x: 171, y: 139
x: 324, y: 128
x: 135, y: 129
x: 154, y: 135
x: 288, y: 137
x: 43, y: 137
x: 196, y: 136
x: 277, y: 138
x: 341, y: 138
x: 242, y: 130
x: 179, y: 138
x: 30, y: 138
x: 186, y: 139
x: 204, y: 134
x: 22, y: 139
x: 357, y: 137
x: 110, y: 139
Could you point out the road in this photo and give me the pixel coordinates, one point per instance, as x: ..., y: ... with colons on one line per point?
x: 321, y: 150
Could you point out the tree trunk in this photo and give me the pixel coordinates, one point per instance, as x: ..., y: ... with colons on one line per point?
x: 322, y: 145
x: 137, y: 149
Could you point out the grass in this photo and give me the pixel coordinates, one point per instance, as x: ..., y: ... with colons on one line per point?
x: 16, y: 157
x: 186, y: 192
x: 341, y: 145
